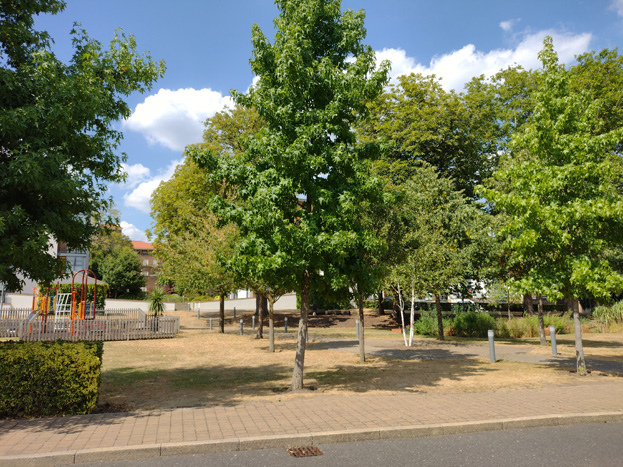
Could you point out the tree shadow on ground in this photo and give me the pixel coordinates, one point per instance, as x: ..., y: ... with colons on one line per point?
x: 411, y: 375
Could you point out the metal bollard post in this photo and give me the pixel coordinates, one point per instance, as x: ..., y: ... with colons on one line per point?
x: 198, y: 310
x: 491, y: 346
x: 234, y: 312
x: 241, y: 331
x: 552, y: 335
x: 210, y: 324
x: 357, y: 327
x: 253, y: 322
x: 285, y: 323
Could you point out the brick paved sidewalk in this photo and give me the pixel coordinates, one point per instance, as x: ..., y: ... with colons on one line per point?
x: 327, y: 417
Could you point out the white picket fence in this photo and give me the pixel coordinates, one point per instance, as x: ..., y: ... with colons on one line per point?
x: 108, y: 325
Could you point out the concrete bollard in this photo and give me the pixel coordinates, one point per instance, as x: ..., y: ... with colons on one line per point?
x: 357, y: 327
x: 241, y: 330
x: 285, y: 324
x: 552, y: 335
x: 210, y: 324
x: 198, y: 310
x: 491, y: 346
x: 253, y: 322
x: 234, y: 312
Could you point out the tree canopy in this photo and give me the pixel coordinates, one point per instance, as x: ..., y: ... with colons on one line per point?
x: 305, y: 169
x: 57, y: 140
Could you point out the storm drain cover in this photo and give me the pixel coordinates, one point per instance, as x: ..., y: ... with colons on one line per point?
x: 304, y: 451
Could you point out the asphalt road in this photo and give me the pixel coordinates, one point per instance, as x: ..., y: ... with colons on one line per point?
x: 579, y: 445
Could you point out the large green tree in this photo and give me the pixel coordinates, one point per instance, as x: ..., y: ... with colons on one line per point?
x: 57, y: 140
x: 121, y: 269
x: 194, y: 247
x: 305, y: 168
x: 560, y: 186
x: 444, y: 241
x: 420, y: 121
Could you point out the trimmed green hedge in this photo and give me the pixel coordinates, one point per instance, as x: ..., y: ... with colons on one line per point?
x: 49, y: 378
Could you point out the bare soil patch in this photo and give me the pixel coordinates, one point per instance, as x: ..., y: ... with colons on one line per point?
x: 202, y: 367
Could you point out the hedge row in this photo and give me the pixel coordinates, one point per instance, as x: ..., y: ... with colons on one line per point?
x: 49, y: 378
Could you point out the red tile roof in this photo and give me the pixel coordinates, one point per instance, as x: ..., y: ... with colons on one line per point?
x: 138, y: 245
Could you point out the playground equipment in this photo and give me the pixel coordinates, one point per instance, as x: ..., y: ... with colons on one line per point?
x: 74, y: 305
x: 81, y: 309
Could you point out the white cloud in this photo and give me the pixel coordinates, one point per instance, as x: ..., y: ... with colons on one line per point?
x: 139, y: 197
x: 459, y: 66
x: 617, y: 5
x: 509, y: 24
x: 132, y: 231
x: 175, y: 119
x: 136, y: 174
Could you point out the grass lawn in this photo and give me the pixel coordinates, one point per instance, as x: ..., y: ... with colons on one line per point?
x: 201, y: 367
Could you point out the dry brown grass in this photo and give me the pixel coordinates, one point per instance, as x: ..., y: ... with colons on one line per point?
x: 202, y: 367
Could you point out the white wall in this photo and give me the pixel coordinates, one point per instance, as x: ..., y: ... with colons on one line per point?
x: 25, y: 301
x: 285, y: 303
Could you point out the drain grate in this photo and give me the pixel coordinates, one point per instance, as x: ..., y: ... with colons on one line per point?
x: 304, y: 451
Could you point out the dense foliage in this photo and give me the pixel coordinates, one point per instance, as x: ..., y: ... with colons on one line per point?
x: 57, y: 137
x: 42, y: 379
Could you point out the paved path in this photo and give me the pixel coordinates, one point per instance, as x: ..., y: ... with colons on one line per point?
x: 433, y: 350
x: 305, y: 420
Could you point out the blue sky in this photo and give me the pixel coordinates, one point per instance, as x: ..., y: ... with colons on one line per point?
x: 207, y: 46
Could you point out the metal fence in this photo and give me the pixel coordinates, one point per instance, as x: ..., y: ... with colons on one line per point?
x: 109, y: 325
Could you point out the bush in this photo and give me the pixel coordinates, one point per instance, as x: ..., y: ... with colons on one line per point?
x: 528, y: 326
x: 174, y: 298
x: 473, y: 324
x: 427, y: 324
x: 49, y: 378
x: 607, y: 316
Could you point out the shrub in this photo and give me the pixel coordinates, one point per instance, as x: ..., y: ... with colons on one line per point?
x: 473, y: 324
x: 174, y: 298
x: 607, y: 316
x: 49, y: 378
x: 427, y: 324
x: 528, y: 326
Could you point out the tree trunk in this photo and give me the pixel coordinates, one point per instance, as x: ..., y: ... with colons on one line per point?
x: 402, y: 315
x: 260, y: 318
x: 221, y: 313
x: 541, y: 322
x: 381, y: 309
x: 528, y: 308
x: 271, y: 325
x: 362, y: 348
x: 579, y: 348
x: 439, y: 316
x: 412, y: 316
x: 299, y: 359
x: 396, y: 302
